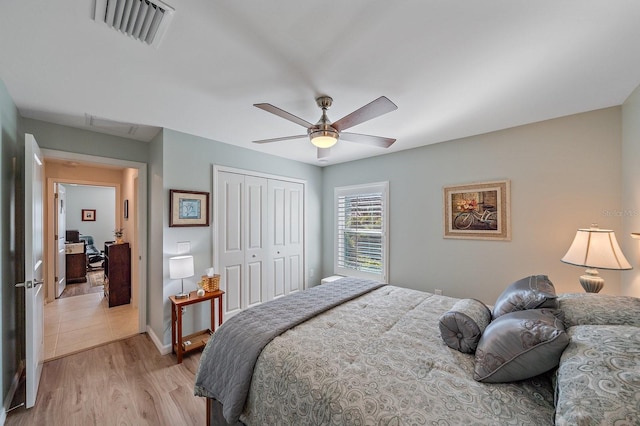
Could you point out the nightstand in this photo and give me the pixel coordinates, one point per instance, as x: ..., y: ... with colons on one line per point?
x: 182, y: 344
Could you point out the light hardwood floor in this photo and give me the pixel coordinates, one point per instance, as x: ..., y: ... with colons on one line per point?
x: 126, y: 382
x: 77, y: 323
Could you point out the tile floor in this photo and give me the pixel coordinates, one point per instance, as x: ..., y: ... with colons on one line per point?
x: 76, y: 323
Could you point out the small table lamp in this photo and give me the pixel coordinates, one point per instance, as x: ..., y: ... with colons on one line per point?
x: 595, y: 248
x: 181, y: 267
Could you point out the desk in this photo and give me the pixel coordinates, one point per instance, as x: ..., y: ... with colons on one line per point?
x: 196, y: 340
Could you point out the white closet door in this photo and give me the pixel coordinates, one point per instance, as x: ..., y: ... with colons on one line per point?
x: 256, y: 234
x: 285, y: 237
x: 231, y: 254
x: 260, y: 239
x: 295, y: 242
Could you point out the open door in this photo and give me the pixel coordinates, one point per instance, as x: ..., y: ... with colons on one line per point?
x: 34, y: 268
x: 61, y: 236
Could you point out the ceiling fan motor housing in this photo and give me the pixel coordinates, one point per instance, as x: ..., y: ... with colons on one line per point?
x: 323, y: 130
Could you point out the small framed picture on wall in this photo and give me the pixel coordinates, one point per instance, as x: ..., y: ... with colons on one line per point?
x: 188, y: 208
x: 88, y: 215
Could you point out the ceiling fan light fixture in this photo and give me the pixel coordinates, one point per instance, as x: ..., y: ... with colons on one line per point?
x: 324, y: 138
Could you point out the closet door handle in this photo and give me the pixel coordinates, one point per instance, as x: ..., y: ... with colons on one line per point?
x: 253, y: 255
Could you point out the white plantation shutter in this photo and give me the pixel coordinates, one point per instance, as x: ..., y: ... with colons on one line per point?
x: 361, y: 232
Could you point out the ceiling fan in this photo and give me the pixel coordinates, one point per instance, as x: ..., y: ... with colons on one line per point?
x: 324, y: 134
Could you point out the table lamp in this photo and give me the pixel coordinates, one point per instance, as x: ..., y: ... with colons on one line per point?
x: 595, y: 248
x: 181, y: 267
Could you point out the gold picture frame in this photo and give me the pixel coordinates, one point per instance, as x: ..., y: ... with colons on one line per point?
x: 479, y: 211
x: 188, y: 208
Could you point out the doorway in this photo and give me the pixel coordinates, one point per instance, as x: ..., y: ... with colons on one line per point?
x: 80, y: 262
x: 87, y: 318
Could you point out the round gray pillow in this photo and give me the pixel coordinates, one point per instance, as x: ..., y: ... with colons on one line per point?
x: 462, y: 326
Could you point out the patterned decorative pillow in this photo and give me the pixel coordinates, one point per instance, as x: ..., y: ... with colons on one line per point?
x: 520, y: 345
x: 533, y: 292
x: 598, y: 380
x: 599, y: 309
x: 462, y: 326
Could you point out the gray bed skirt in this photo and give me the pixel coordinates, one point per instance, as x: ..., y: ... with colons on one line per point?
x: 214, y: 414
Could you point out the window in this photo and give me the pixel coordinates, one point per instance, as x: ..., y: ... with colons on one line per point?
x: 361, y: 231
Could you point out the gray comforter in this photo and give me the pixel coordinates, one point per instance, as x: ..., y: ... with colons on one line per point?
x: 379, y: 359
x: 228, y: 360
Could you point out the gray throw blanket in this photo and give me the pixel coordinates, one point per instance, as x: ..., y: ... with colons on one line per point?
x: 227, y: 362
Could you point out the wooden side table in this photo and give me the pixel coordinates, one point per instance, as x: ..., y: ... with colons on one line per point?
x: 199, y: 339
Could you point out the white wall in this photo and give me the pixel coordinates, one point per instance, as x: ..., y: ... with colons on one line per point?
x: 631, y: 188
x: 565, y: 174
x: 100, y: 199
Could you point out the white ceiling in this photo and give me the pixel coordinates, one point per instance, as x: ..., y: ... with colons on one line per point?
x: 454, y: 68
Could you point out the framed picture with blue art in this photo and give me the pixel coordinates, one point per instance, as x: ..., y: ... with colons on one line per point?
x: 188, y: 208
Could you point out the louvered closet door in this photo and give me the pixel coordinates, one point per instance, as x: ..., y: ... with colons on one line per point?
x: 231, y: 256
x: 286, y: 210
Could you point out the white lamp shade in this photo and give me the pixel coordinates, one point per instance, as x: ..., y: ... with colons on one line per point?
x: 596, y: 248
x: 324, y: 141
x: 181, y: 267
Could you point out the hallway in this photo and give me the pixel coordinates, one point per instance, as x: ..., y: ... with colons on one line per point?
x: 77, y: 323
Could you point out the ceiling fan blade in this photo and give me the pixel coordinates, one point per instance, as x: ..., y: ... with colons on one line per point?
x: 367, y: 139
x: 323, y: 152
x: 284, y: 114
x: 284, y: 138
x: 373, y: 109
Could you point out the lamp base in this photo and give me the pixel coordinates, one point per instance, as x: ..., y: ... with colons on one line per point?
x: 591, y: 281
x: 181, y: 296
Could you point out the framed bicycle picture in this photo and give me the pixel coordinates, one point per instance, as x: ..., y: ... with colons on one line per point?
x: 480, y: 211
x: 188, y: 208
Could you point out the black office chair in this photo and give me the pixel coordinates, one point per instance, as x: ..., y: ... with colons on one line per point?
x: 93, y: 254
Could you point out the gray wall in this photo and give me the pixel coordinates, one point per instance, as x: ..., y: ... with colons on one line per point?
x: 69, y: 139
x: 10, y: 146
x: 565, y: 174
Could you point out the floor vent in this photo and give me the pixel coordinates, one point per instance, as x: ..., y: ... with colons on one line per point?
x: 144, y: 20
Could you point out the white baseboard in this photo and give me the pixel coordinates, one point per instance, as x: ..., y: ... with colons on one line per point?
x: 163, y: 349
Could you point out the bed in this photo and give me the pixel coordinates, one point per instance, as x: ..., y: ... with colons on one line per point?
x: 356, y: 352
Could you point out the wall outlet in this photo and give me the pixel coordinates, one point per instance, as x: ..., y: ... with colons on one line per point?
x: 184, y: 247
x: 438, y: 291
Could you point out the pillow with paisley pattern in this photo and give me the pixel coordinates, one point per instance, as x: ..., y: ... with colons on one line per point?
x: 599, y: 309
x: 520, y: 345
x: 533, y: 292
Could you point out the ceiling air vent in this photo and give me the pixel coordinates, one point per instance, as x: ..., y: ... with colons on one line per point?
x: 144, y: 20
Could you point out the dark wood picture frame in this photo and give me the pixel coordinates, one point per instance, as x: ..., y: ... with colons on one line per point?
x: 126, y: 209
x: 88, y: 215
x: 188, y: 208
